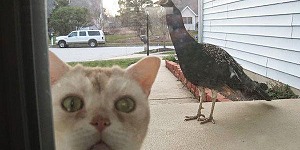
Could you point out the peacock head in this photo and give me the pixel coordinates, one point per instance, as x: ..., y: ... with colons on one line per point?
x: 165, y: 3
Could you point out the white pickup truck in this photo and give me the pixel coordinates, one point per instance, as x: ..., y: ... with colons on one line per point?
x: 90, y: 37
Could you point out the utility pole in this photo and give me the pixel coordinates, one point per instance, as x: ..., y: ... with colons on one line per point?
x: 147, y: 33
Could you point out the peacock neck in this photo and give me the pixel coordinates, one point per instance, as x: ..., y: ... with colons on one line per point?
x: 177, y: 30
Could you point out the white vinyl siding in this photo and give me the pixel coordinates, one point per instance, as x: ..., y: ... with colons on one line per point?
x: 262, y: 35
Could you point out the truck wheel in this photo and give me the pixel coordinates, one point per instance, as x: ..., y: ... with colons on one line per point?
x: 92, y: 43
x: 62, y: 44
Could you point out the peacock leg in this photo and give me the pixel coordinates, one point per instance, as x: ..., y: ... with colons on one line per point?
x: 214, y: 99
x: 199, y: 114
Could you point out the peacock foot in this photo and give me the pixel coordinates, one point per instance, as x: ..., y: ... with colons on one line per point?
x: 210, y: 119
x: 198, y: 117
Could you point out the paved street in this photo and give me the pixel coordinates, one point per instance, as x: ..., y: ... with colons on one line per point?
x: 98, y: 53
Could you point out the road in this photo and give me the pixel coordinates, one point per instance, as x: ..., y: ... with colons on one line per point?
x: 98, y: 53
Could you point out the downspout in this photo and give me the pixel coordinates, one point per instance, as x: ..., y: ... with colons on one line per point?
x: 200, y: 21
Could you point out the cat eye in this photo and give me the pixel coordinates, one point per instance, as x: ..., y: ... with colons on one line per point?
x: 125, y: 104
x: 72, y: 103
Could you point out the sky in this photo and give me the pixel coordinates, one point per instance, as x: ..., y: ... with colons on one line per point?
x: 112, y: 6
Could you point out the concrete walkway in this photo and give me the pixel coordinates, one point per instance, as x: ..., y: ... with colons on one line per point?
x: 247, y: 125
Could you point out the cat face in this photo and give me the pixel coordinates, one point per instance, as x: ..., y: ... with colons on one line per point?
x: 101, y: 108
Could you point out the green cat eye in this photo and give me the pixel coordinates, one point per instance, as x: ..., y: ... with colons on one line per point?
x: 72, y: 103
x: 125, y: 104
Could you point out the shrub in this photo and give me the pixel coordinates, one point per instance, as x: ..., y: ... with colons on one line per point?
x: 281, y: 91
x: 170, y: 58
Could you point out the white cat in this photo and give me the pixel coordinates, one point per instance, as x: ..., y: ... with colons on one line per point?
x: 101, y: 108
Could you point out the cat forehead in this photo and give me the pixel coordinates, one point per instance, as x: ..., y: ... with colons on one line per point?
x: 96, y: 75
x: 92, y: 72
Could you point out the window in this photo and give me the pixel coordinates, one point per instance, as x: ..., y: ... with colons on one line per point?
x: 93, y: 33
x: 187, y: 20
x: 82, y: 33
x: 26, y: 119
x: 73, y: 34
x: 25, y: 105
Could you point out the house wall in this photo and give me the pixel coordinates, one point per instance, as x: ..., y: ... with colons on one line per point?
x: 262, y: 35
x: 188, y: 13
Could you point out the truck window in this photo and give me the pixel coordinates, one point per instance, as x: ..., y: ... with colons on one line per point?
x: 82, y: 33
x: 93, y: 33
x: 73, y: 34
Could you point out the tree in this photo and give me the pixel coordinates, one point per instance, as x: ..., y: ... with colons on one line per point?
x: 95, y: 9
x: 65, y: 19
x: 132, y: 13
x: 61, y: 3
x: 158, y: 23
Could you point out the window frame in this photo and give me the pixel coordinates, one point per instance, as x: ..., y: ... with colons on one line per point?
x: 25, y: 108
x: 187, y: 20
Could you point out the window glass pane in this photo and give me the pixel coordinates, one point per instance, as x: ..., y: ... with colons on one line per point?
x: 190, y: 20
x: 262, y: 43
x: 82, y: 33
x: 93, y: 33
x: 73, y: 34
x: 184, y: 20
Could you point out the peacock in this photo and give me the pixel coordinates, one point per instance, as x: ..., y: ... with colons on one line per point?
x: 209, y: 66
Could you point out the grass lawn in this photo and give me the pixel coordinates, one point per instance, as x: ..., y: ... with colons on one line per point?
x: 123, y: 63
x: 166, y: 51
x: 169, y: 52
x: 120, y: 38
x: 145, y: 52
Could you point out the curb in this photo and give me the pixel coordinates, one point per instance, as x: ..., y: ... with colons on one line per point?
x: 174, y: 68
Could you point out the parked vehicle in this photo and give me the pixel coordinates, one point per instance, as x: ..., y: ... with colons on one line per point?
x: 90, y: 37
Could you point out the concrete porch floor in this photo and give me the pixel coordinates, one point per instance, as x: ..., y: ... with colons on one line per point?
x: 247, y: 125
x: 244, y: 125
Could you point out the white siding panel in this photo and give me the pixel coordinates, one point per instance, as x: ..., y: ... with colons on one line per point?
x: 280, y: 54
x: 284, y: 78
x: 206, y: 28
x: 296, y: 32
x: 284, y: 55
x: 284, y: 8
x: 255, y: 3
x: 292, y: 69
x: 262, y: 35
x: 221, y: 15
x: 208, y: 5
x: 252, y: 67
x: 263, y: 31
x: 296, y: 20
x: 219, y: 36
x: 206, y: 1
x: 223, y: 2
x: 211, y: 10
x: 282, y: 43
x: 271, y: 73
x: 206, y: 23
x: 283, y: 20
x: 221, y: 43
x: 255, y: 59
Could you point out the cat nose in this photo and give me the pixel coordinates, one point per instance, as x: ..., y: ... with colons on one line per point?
x: 100, y: 123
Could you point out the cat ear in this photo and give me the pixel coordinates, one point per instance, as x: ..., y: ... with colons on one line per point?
x: 57, y: 67
x: 144, y: 72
